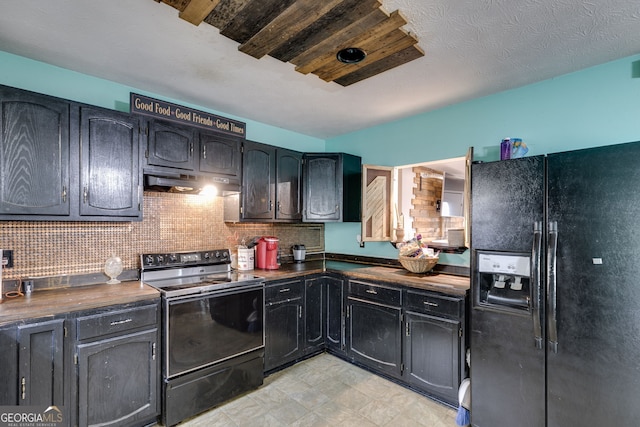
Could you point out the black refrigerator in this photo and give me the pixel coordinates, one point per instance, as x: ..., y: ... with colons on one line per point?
x: 555, y: 286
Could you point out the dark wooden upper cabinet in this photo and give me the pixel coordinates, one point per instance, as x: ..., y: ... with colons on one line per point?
x: 220, y: 154
x: 258, y: 181
x: 110, y: 153
x: 34, y: 154
x: 288, y: 185
x: 323, y: 190
x: 332, y: 187
x: 171, y: 146
x: 271, y: 183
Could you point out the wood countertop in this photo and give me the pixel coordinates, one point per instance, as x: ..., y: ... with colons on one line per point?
x: 52, y: 302
x: 288, y: 271
x: 444, y: 283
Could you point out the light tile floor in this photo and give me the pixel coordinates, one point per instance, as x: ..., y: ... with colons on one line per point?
x: 327, y: 391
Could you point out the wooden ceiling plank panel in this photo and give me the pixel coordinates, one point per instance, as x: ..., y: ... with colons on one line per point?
x: 309, y: 35
x: 378, y: 55
x: 376, y: 49
x: 224, y: 12
x: 399, y: 58
x: 290, y: 22
x: 197, y: 10
x: 393, y: 22
x: 341, y: 16
x: 326, y: 50
x: 176, y: 4
x: 254, y: 16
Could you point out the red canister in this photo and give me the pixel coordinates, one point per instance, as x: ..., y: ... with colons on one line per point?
x: 267, y: 253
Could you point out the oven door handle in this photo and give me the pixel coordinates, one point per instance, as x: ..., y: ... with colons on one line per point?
x: 220, y: 292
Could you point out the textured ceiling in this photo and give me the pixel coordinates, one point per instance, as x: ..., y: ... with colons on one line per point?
x: 472, y: 48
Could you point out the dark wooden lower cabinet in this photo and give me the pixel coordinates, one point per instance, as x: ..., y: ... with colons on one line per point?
x: 100, y: 367
x: 335, y: 306
x: 296, y: 313
x: 283, y: 339
x: 117, y: 362
x: 41, y: 363
x: 9, y: 366
x: 314, y: 325
x: 374, y: 332
x: 118, y: 380
x: 284, y: 323
x: 32, y: 364
x: 432, y: 355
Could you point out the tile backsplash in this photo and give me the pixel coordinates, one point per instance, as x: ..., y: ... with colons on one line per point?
x: 172, y: 222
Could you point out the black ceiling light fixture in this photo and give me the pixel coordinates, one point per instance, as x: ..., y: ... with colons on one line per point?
x: 351, y: 55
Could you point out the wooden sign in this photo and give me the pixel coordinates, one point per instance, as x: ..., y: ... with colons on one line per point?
x: 155, y: 108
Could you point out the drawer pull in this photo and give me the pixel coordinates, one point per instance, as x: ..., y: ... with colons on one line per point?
x: 431, y: 304
x: 372, y: 291
x: 120, y: 322
x: 284, y: 290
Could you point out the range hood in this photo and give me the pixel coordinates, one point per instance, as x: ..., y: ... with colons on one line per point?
x: 189, y: 184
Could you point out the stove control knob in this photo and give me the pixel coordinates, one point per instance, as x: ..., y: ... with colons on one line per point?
x: 217, y: 254
x: 173, y: 258
x: 160, y: 259
x: 148, y: 260
x: 206, y: 255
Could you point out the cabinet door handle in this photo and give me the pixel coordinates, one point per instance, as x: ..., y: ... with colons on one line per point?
x: 23, y: 387
x: 337, y: 208
x: 407, y: 328
x: 153, y: 351
x: 431, y: 304
x: 300, y: 311
x: 372, y: 291
x: 64, y: 194
x: 85, y: 194
x: 191, y: 149
x: 204, y: 151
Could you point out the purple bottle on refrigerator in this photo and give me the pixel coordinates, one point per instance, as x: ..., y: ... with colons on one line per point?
x: 505, y: 149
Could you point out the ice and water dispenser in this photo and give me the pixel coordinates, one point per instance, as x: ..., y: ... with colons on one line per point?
x: 503, y: 280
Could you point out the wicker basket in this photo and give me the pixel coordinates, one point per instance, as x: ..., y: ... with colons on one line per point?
x: 418, y: 265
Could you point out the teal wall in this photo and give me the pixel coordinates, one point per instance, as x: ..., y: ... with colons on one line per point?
x: 39, y: 77
x: 596, y: 106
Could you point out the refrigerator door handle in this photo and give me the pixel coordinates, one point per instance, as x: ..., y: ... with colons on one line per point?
x: 537, y: 282
x: 552, y: 285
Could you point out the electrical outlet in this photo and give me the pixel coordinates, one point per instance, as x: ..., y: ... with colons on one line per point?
x: 7, y: 258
